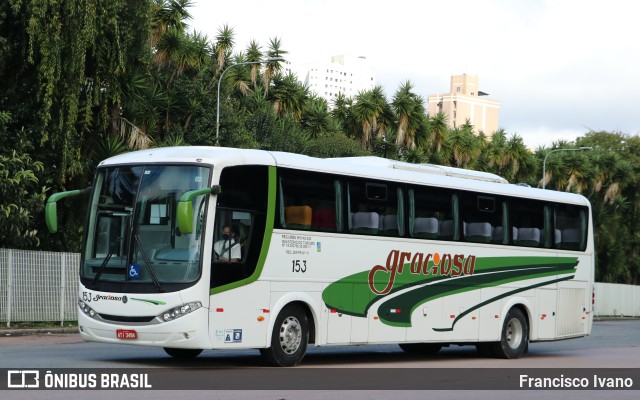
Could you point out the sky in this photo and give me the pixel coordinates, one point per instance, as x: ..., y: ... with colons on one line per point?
x: 559, y: 68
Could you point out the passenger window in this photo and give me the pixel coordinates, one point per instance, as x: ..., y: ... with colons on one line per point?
x: 528, y: 221
x: 482, y: 219
x: 310, y: 201
x: 375, y: 208
x: 431, y: 213
x: 570, y: 227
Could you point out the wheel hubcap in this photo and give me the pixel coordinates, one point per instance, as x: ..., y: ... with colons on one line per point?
x: 290, y: 335
x: 514, y: 333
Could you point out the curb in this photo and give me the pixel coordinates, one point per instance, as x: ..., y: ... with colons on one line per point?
x: 37, y: 331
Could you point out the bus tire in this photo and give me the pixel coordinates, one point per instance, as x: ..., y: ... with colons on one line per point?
x: 513, y: 337
x: 289, y: 338
x: 421, y: 348
x: 182, y: 354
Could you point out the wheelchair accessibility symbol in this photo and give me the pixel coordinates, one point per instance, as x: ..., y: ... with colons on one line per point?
x: 134, y: 271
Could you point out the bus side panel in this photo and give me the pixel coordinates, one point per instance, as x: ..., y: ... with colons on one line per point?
x: 546, y: 314
x: 425, y: 319
x: 489, y: 315
x: 235, y: 316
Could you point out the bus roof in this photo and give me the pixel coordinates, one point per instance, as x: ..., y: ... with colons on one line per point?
x: 368, y: 167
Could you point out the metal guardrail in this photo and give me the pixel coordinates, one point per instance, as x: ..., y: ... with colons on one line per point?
x: 38, y: 286
x: 41, y: 286
x: 615, y: 300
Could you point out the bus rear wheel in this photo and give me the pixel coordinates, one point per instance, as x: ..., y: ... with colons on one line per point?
x: 183, y: 354
x: 514, y: 336
x: 289, y: 338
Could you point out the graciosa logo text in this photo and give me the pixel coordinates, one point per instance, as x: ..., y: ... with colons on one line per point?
x: 431, y: 264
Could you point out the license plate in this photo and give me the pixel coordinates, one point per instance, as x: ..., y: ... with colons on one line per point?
x: 126, y: 334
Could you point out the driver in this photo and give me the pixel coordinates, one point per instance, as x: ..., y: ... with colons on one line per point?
x: 228, y: 248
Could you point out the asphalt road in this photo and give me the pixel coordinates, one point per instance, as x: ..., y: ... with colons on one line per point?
x: 613, y: 345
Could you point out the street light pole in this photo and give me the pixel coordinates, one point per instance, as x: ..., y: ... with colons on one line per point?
x: 544, y: 163
x: 267, y: 61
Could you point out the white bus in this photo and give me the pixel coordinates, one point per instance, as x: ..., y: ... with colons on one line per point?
x: 192, y: 248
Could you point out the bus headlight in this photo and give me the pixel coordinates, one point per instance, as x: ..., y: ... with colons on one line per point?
x: 86, y: 309
x: 178, y: 312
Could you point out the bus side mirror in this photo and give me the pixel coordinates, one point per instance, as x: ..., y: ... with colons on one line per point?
x: 185, y: 207
x: 51, y: 208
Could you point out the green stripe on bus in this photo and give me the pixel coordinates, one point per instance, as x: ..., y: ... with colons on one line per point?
x: 500, y: 297
x: 353, y: 296
x: 423, y: 294
x: 154, y: 302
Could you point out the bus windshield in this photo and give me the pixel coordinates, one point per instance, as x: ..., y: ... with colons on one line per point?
x: 132, y: 235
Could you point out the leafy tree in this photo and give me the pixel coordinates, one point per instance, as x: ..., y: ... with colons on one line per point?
x: 73, y: 71
x: 128, y: 75
x: 22, y: 199
x: 334, y: 145
x: 287, y: 135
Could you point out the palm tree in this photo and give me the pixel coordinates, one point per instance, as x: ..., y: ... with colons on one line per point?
x: 497, y: 158
x: 274, y: 51
x: 386, y: 147
x: 223, y: 47
x: 289, y: 95
x: 179, y: 52
x: 464, y: 145
x: 620, y: 177
x: 575, y: 166
x: 168, y: 14
x: 254, y: 54
x: 438, y: 130
x: 240, y: 75
x: 316, y: 118
x: 373, y: 114
x: 414, y: 156
x: 342, y: 113
x: 199, y: 51
x: 409, y: 109
x: 521, y: 161
x: 364, y: 113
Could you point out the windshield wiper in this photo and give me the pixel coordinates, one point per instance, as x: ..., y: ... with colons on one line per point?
x: 147, y: 264
x: 113, y: 247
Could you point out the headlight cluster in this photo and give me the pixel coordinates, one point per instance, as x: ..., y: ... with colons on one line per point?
x: 86, y: 309
x: 178, y: 312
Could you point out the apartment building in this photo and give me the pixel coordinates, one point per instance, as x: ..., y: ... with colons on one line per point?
x: 466, y: 101
x: 344, y: 74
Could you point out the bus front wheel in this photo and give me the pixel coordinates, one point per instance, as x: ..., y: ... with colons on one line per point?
x: 514, y: 336
x: 289, y: 338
